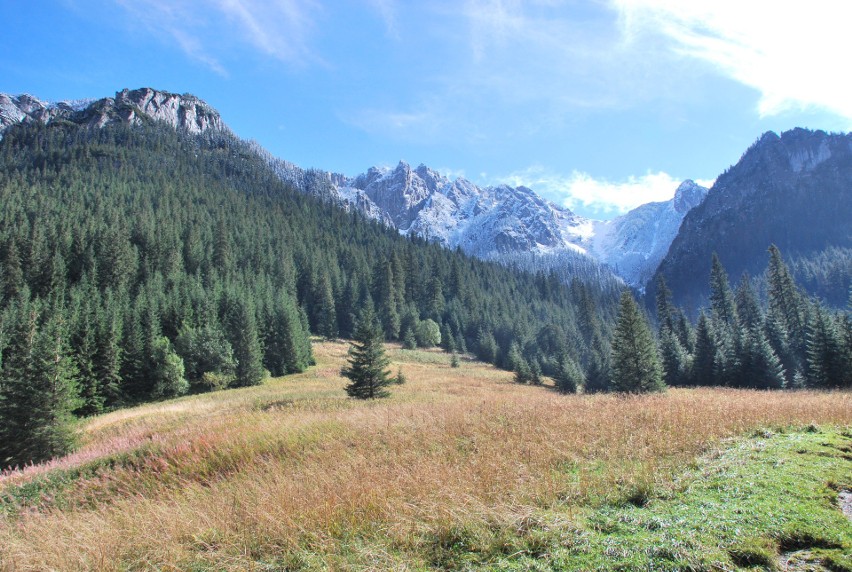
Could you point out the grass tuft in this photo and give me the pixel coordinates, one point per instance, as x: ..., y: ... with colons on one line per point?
x: 460, y: 468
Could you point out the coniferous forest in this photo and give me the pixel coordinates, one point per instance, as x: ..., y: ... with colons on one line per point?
x: 139, y: 264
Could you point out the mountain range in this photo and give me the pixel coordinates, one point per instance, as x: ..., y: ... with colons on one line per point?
x: 790, y: 189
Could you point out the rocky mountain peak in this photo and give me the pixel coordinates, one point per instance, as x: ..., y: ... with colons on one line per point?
x: 688, y: 195
x: 183, y: 112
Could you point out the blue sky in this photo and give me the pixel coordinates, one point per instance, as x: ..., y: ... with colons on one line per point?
x: 597, y: 105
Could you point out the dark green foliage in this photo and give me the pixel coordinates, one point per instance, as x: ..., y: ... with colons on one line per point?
x: 142, y: 234
x: 38, y: 387
x: 760, y: 367
x: 454, y: 360
x: 722, y: 305
x: 205, y: 350
x: 674, y: 360
x: 243, y: 335
x: 367, y: 361
x: 748, y: 308
x: 400, y: 378
x: 827, y: 360
x: 794, y: 344
x: 288, y: 348
x: 409, y: 341
x: 635, y: 366
x: 167, y: 370
x: 599, y: 372
x: 569, y: 378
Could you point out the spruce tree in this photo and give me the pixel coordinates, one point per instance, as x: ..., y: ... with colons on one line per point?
x: 722, y: 303
x: 244, y: 339
x: 748, y: 309
x: 38, y: 389
x: 569, y: 377
x: 635, y: 365
x: 826, y: 363
x: 760, y: 366
x: 674, y: 359
x: 788, y: 305
x: 367, y: 361
x: 665, y: 319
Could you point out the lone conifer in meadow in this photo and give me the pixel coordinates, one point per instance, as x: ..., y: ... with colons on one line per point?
x: 367, y: 360
x: 635, y: 365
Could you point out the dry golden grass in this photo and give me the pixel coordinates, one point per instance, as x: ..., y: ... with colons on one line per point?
x: 295, y: 473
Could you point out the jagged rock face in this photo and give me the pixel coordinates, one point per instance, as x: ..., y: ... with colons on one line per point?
x: 793, y: 190
x: 688, y: 196
x: 399, y: 193
x: 488, y: 222
x: 634, y: 244
x: 499, y: 222
x: 183, y: 112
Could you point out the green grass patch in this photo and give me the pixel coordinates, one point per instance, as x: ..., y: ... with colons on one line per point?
x: 767, y: 497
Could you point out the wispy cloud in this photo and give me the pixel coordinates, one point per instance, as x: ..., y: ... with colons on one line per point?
x: 205, y: 30
x: 387, y: 10
x: 597, y: 196
x: 794, y: 54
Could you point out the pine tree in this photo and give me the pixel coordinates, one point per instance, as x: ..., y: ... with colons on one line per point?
x: 288, y: 346
x: 569, y: 377
x: 748, y: 309
x: 722, y: 305
x: 826, y: 363
x: 635, y: 365
x: 38, y: 389
x: 787, y: 304
x: 674, y: 359
x: 324, y: 308
x: 367, y: 361
x: 665, y: 319
x: 760, y: 367
x: 244, y: 339
x: 599, y: 368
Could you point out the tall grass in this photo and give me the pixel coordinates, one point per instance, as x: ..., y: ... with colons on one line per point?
x: 294, y: 474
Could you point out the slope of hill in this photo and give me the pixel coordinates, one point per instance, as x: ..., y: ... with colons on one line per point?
x: 160, y: 259
x: 792, y: 190
x: 460, y: 469
x: 499, y: 223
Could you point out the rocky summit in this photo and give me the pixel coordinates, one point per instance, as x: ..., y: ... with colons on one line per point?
x: 493, y: 222
x: 183, y: 112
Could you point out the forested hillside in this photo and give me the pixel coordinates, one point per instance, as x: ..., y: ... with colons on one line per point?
x: 791, y: 190
x: 139, y: 263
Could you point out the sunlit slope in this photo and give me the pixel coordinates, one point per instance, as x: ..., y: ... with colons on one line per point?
x: 457, y: 464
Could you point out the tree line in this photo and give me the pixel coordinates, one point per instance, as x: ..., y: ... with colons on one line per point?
x: 137, y: 263
x: 791, y: 341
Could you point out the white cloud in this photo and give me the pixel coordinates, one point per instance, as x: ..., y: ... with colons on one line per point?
x: 387, y: 11
x: 793, y: 53
x: 281, y: 29
x: 599, y: 197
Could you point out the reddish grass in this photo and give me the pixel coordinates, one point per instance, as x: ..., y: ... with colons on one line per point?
x: 294, y: 472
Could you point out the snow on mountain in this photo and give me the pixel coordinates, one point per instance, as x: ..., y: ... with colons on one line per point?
x: 185, y: 112
x: 634, y: 244
x: 497, y: 222
x: 511, y: 225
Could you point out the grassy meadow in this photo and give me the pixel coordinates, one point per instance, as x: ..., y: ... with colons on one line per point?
x: 460, y: 469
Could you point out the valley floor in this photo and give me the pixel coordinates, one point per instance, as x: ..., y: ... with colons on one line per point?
x: 459, y: 469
